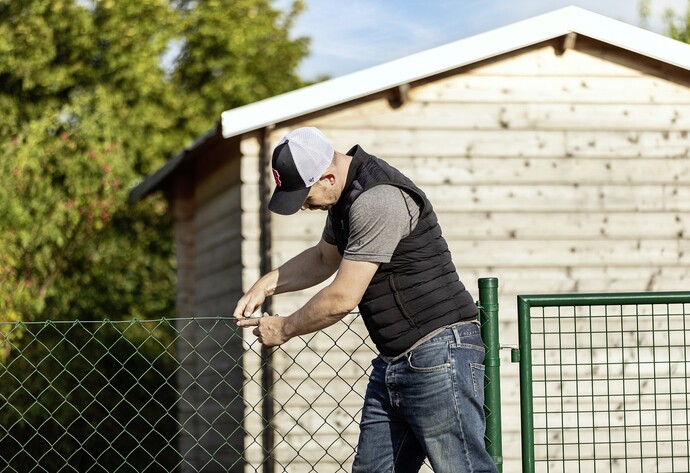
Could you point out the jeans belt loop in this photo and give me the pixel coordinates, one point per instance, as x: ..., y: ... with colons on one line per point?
x: 456, y: 334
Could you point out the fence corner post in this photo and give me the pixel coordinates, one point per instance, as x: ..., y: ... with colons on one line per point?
x: 488, y: 317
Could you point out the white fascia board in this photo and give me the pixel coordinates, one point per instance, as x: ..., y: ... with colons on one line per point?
x: 630, y: 37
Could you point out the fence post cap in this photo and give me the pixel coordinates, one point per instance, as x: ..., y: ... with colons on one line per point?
x: 488, y: 282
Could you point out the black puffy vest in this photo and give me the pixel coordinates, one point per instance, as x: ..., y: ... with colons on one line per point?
x: 419, y: 290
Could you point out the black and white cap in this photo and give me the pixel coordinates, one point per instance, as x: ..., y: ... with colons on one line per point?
x: 299, y: 161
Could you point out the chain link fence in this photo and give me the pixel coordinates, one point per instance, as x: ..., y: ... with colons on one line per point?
x: 604, y: 387
x: 191, y: 395
x: 177, y: 395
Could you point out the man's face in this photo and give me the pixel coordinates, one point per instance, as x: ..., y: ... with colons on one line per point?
x: 322, y: 196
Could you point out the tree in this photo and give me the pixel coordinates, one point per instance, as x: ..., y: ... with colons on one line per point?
x: 678, y: 25
x: 235, y: 52
x: 82, y: 79
x: 89, y: 107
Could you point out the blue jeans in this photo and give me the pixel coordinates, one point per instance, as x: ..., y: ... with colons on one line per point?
x: 429, y: 403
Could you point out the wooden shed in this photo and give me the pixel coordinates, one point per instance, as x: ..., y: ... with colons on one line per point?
x: 556, y: 152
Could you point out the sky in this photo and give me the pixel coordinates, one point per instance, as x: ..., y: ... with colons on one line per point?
x: 351, y: 35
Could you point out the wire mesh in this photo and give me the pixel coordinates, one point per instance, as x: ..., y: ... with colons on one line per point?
x: 609, y: 383
x: 176, y: 395
x: 188, y: 395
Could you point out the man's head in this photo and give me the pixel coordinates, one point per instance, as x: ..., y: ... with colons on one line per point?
x: 299, y: 162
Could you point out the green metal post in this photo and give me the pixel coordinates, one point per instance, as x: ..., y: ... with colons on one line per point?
x: 526, y: 406
x: 488, y: 316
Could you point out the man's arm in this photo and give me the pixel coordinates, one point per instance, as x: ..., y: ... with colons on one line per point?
x: 307, y: 269
x: 328, y: 306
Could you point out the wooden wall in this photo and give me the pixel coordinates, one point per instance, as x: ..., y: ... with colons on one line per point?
x: 206, y: 208
x: 554, y: 173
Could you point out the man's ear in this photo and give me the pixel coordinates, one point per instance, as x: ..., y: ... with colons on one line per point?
x: 328, y: 176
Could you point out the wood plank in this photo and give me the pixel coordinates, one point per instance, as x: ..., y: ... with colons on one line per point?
x: 499, y: 116
x: 445, y: 143
x: 435, y: 170
x: 222, y: 232
x: 545, y: 62
x: 222, y: 205
x: 462, y: 171
x: 561, y: 198
x: 183, y: 207
x: 541, y: 253
x: 219, y: 283
x: 571, y: 225
x: 220, y: 305
x: 530, y: 88
x: 516, y: 143
x: 564, y: 226
x: 606, y: 144
x: 249, y: 197
x: 224, y: 173
x: 225, y: 253
x: 579, y: 278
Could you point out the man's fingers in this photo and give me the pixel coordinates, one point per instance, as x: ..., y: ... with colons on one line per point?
x: 244, y: 309
x: 240, y: 309
x: 248, y: 322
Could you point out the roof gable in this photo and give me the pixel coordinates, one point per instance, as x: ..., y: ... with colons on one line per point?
x: 427, y: 64
x: 451, y: 56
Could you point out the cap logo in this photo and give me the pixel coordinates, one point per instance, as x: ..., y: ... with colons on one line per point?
x: 276, y: 176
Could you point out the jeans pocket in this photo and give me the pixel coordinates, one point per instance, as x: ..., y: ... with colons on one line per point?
x: 429, y: 357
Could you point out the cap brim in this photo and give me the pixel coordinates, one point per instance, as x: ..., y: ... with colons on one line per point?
x: 287, y: 202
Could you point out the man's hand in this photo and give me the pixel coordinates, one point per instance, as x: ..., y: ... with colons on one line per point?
x: 269, y: 330
x: 250, y: 302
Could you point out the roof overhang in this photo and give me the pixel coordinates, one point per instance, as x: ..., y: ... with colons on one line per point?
x: 451, y: 56
x: 332, y: 93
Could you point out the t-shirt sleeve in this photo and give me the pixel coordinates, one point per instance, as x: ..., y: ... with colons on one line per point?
x: 379, y: 219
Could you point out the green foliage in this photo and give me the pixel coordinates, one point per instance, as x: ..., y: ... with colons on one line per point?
x: 252, y: 59
x: 90, y: 106
x: 678, y: 25
x: 644, y: 10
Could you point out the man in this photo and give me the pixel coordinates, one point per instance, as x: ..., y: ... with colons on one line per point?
x: 426, y: 391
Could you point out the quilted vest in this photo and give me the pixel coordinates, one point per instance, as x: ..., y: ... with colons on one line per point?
x: 419, y: 290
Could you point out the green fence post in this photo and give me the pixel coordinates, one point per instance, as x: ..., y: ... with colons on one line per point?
x: 526, y: 406
x: 488, y: 316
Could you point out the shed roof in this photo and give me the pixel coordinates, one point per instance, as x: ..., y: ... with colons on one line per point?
x: 429, y: 63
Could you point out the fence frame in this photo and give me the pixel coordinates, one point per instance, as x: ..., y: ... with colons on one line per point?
x: 524, y: 354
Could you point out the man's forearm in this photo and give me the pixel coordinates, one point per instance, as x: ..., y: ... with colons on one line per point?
x: 321, y: 311
x: 328, y: 306
x: 301, y: 272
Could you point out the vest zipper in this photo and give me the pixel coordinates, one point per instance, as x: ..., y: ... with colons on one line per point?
x: 401, y: 305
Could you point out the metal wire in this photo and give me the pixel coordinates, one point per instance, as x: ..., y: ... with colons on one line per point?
x: 176, y: 395
x: 186, y: 395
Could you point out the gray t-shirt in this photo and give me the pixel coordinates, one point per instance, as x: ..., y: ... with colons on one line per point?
x: 379, y: 219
